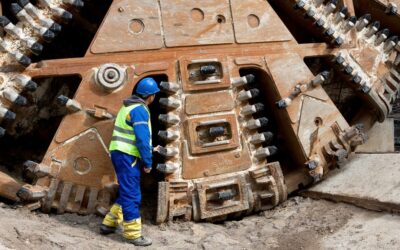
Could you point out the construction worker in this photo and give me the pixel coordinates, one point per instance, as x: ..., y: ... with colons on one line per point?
x: 131, y: 149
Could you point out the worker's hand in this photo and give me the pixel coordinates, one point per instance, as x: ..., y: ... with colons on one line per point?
x: 157, y: 148
x: 147, y: 170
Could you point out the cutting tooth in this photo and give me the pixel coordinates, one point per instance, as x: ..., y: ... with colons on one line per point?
x: 65, y: 16
x: 168, y: 135
x: 266, y: 152
x: 169, y: 87
x: 47, y: 34
x: 22, y: 59
x: 348, y: 69
x: 365, y: 88
x: 20, y: 13
x: 59, y: 12
x: 170, y: 102
x: 391, y: 9
x: 311, y: 165
x: 329, y: 31
x: 299, y: 4
x: 10, y: 28
x: 284, y: 103
x: 25, y: 82
x: 168, y: 151
x: 168, y: 168
x: 12, y: 95
x: 257, y: 123
x: 244, y: 80
x: 339, y: 60
x: 372, y: 29
x: 252, y: 109
x: 356, y: 79
x: 320, y: 78
x: 391, y: 43
x: 31, y: 193
x: 338, y: 41
x: 246, y: 95
x: 363, y: 22
x: 39, y: 170
x: 70, y: 104
x: 381, y: 36
x: 341, y: 15
x: 53, y: 26
x: 330, y: 7
x: 311, y: 11
x: 6, y: 114
x: 320, y: 22
x: 350, y: 23
x: 170, y: 119
x: 34, y: 47
x: 265, y: 137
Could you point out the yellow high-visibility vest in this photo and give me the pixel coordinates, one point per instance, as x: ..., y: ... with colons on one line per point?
x: 123, y: 138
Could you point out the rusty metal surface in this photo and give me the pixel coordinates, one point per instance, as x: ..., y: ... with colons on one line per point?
x: 83, y: 165
x: 246, y: 117
x: 141, y: 28
x: 9, y: 187
x: 255, y: 21
x: 210, y: 165
x: 192, y: 23
x: 197, y: 104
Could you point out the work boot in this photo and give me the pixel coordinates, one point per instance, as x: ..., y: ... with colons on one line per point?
x: 141, y: 241
x: 105, y: 230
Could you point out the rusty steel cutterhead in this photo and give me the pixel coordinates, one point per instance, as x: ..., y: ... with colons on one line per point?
x: 258, y: 98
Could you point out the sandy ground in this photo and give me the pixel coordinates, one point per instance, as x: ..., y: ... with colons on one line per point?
x: 300, y: 223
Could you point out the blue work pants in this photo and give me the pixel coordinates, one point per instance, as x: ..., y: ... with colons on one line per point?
x: 127, y: 168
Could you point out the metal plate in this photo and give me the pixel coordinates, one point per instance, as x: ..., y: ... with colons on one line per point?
x: 238, y: 203
x: 256, y: 21
x: 85, y: 169
x: 279, y: 67
x: 86, y: 160
x: 130, y: 25
x: 214, y: 164
x: 208, y: 103
x: 198, y: 147
x: 326, y: 114
x: 188, y: 85
x: 193, y: 22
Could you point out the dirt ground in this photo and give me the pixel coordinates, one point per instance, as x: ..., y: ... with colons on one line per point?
x: 300, y: 223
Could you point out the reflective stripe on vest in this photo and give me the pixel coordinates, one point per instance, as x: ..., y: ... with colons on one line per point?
x: 123, y: 138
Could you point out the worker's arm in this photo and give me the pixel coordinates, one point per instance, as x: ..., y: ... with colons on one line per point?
x: 139, y: 120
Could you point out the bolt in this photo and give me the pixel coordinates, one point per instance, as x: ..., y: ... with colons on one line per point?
x: 111, y: 74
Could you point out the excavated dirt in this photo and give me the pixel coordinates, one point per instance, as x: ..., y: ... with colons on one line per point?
x: 299, y: 223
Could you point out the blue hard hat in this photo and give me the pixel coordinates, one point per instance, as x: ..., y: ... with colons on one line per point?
x: 147, y: 86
